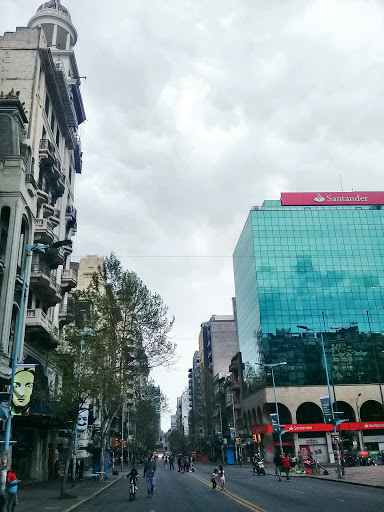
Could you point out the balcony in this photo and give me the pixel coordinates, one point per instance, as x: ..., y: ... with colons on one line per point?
x: 78, y: 156
x: 70, y: 215
x: 68, y: 279
x: 44, y: 232
x: 234, y: 367
x: 2, y: 263
x: 58, y: 184
x: 40, y: 329
x: 55, y: 256
x: 31, y: 184
x: 66, y: 315
x: 44, y: 284
x: 42, y: 193
x: 55, y: 218
x: 47, y: 152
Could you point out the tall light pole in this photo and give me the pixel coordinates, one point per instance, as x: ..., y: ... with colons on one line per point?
x: 271, y: 367
x: 234, y: 426
x: 16, y: 349
x: 339, y: 468
x: 362, y: 448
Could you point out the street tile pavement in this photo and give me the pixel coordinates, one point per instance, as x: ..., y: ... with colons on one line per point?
x: 44, y: 496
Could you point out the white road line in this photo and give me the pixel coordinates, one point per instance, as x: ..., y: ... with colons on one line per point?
x: 301, y: 492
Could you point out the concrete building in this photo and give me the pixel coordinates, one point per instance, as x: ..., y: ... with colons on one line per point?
x: 41, y: 109
x: 173, y: 422
x: 87, y: 267
x: 309, y: 269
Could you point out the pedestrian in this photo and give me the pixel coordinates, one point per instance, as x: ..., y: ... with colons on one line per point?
x: 300, y: 465
x: 171, y: 461
x: 12, y: 486
x: 149, y: 472
x: 166, y: 461
x: 286, y: 463
x: 214, y: 477
x: 222, y: 478
x: 186, y: 464
x: 180, y: 463
x: 278, y: 465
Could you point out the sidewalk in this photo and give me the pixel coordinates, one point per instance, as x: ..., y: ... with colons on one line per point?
x: 372, y: 476
x: 41, y: 496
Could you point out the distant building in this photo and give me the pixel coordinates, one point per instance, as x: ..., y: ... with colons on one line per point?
x: 87, y: 267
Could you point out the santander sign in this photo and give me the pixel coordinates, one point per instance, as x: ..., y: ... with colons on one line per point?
x: 331, y: 198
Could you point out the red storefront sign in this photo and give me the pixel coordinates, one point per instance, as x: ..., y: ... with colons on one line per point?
x: 331, y: 198
x: 320, y: 427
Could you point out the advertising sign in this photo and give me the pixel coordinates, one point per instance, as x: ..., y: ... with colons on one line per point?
x: 82, y: 422
x: 232, y: 433
x: 22, y: 389
x: 331, y: 198
x: 327, y: 409
x: 275, y: 423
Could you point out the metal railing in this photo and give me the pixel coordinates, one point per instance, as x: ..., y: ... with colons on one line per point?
x: 29, y: 178
x: 39, y: 316
x: 71, y: 211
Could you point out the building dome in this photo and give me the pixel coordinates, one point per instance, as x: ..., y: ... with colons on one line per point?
x: 56, y: 22
x: 54, y: 5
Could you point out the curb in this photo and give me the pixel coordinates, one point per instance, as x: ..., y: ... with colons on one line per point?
x: 73, y: 507
x: 341, y: 481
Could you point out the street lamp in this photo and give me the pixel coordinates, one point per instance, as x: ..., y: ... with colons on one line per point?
x: 339, y: 469
x: 271, y: 367
x: 16, y: 348
x: 361, y: 432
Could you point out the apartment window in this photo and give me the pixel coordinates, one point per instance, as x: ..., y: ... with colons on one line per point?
x: 58, y: 137
x: 47, y: 103
x: 70, y: 174
x: 44, y: 136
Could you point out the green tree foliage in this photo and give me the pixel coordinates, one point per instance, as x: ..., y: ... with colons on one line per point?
x: 128, y: 327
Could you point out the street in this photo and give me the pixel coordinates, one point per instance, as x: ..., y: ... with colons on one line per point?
x: 190, y: 492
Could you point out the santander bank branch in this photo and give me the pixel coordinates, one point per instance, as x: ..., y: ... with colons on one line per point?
x: 309, y: 272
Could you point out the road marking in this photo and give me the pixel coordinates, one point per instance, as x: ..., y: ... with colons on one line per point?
x: 301, y: 492
x: 233, y: 497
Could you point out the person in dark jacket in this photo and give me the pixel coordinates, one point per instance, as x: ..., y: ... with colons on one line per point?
x: 149, y: 472
x: 278, y: 464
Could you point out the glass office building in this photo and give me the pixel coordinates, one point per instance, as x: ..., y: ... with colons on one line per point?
x: 319, y: 266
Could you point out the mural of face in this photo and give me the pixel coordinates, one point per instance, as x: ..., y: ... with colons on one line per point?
x: 22, y: 390
x: 82, y: 422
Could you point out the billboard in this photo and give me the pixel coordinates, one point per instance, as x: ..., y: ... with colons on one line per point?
x: 22, y: 389
x: 331, y: 198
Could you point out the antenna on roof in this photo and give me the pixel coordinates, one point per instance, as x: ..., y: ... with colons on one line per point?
x: 341, y: 183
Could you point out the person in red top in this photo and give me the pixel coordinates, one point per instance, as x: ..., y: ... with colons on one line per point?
x: 286, y: 463
x: 12, y: 484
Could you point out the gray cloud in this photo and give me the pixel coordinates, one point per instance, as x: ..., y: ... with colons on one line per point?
x: 199, y: 110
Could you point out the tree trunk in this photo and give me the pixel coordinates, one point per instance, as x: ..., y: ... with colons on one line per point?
x: 64, y: 483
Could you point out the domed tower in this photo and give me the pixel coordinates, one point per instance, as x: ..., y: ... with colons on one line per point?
x: 56, y: 22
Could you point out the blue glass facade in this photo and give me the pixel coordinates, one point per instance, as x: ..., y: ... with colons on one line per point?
x: 318, y: 266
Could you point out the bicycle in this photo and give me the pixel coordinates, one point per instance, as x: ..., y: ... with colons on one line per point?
x: 132, y: 488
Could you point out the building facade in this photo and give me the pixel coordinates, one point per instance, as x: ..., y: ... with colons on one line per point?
x: 309, y: 270
x: 41, y: 109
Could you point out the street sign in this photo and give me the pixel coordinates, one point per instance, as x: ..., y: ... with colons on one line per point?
x: 275, y: 423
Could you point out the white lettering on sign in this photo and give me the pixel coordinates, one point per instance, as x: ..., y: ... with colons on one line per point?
x: 300, y: 427
x: 344, y: 199
x: 374, y: 425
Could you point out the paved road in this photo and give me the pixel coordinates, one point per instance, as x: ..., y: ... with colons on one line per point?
x: 191, y: 492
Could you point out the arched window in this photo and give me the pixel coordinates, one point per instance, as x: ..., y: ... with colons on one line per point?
x: 308, y: 412
x: 371, y: 410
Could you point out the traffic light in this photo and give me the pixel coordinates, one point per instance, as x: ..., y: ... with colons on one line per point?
x: 237, y: 440
x: 254, y: 438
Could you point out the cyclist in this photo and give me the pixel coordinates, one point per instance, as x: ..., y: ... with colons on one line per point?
x: 132, y: 475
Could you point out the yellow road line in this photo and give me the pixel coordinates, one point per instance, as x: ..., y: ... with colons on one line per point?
x: 234, y: 497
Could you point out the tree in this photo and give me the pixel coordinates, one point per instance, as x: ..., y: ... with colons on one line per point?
x: 130, y: 327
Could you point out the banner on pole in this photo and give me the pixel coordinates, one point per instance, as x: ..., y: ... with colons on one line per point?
x: 22, y: 389
x: 327, y: 409
x: 82, y: 422
x: 275, y: 423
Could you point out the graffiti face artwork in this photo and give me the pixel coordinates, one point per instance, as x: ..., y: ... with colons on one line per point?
x: 82, y: 422
x: 22, y: 390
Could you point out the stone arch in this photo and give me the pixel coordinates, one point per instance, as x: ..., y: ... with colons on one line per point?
x: 285, y: 415
x: 346, y: 409
x: 309, y: 412
x: 371, y: 410
x: 254, y: 421
x: 249, y: 421
x: 259, y: 416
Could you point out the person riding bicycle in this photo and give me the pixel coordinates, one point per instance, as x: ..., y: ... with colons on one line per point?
x: 132, y: 475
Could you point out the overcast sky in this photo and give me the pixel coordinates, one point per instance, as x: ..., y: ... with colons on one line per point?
x: 199, y: 109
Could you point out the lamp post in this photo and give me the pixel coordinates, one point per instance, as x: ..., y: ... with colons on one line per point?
x: 16, y: 349
x: 360, y: 429
x: 339, y: 468
x: 221, y: 440
x: 271, y: 367
x: 234, y: 426
x: 375, y: 359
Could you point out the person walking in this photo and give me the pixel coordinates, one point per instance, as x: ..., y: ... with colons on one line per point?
x: 149, y: 472
x: 180, y: 463
x: 222, y: 478
x: 214, y: 477
x: 278, y: 465
x: 171, y: 461
x: 286, y: 464
x: 12, y: 486
x: 300, y: 465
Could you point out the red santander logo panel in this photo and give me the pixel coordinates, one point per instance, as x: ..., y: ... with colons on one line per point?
x: 331, y: 198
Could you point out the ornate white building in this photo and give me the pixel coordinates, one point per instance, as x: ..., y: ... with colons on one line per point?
x: 41, y: 109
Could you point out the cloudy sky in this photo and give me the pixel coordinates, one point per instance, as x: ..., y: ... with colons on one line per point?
x: 198, y: 110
